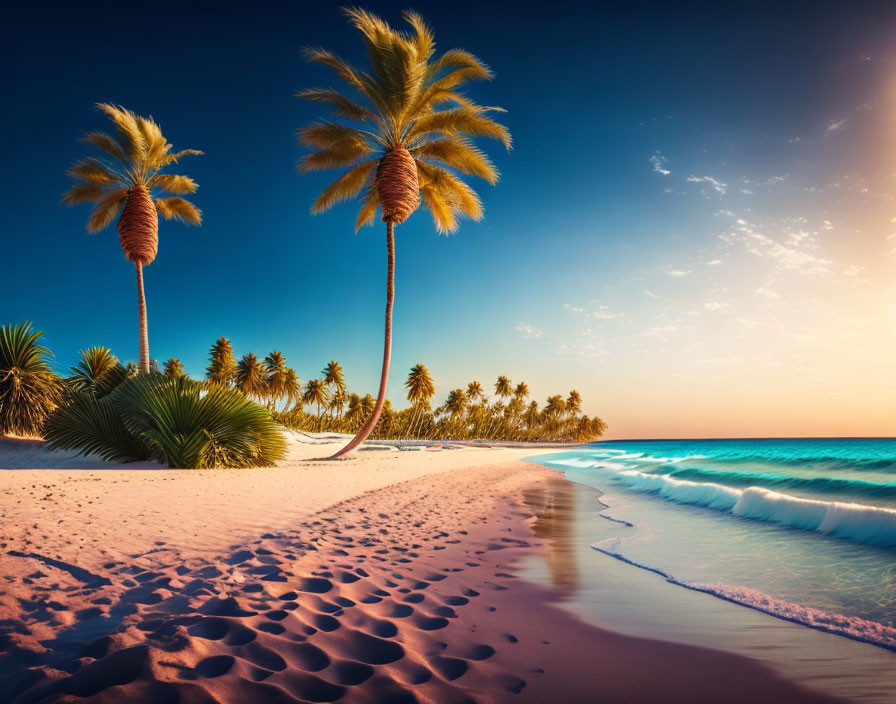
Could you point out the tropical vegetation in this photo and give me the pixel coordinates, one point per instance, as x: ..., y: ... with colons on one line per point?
x: 403, y: 130
x: 128, y: 180
x: 29, y: 388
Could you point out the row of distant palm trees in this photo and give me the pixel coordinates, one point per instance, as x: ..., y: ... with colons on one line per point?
x: 403, y: 130
x: 465, y: 414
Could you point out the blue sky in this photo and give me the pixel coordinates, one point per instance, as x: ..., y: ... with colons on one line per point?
x: 693, y: 220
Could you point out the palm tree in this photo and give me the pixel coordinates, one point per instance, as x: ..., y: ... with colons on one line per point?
x: 126, y: 185
x: 397, y: 139
x: 532, y: 415
x: 474, y: 391
x: 555, y: 407
x: 222, y: 363
x: 173, y: 368
x: 456, y: 403
x: 316, y: 393
x: 275, y: 377
x: 29, y: 389
x: 573, y: 403
x: 292, y: 387
x: 522, y: 390
x: 334, y: 377
x: 503, y: 387
x: 420, y: 385
x: 251, y: 377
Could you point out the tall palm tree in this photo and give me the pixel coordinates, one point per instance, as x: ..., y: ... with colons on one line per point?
x: 398, y: 144
x: 522, y: 390
x: 29, y: 388
x: 126, y: 184
x: 532, y: 415
x: 173, y: 368
x: 222, y: 363
x: 316, y: 393
x: 251, y: 376
x: 503, y: 387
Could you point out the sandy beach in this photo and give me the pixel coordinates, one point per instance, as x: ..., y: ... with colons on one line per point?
x: 388, y: 577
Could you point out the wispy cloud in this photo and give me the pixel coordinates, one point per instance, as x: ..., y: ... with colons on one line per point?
x: 527, y: 330
x: 678, y: 272
x: 714, y: 262
x: 835, y: 125
x: 715, y: 184
x: 659, y: 164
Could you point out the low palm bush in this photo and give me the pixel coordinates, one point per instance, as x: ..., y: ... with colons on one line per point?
x: 175, y: 421
x: 29, y: 389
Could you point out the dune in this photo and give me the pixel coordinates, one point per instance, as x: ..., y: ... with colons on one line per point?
x: 389, y: 577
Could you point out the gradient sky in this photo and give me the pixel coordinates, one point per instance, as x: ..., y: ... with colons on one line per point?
x: 695, y: 228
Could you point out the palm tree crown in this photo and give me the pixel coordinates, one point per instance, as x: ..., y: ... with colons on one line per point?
x: 503, y: 387
x: 222, y: 363
x: 420, y: 385
x: 126, y: 184
x: 397, y: 142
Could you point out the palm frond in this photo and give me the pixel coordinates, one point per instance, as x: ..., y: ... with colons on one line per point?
x: 460, y: 154
x: 169, y: 159
x: 93, y: 171
x: 334, y: 136
x: 346, y: 186
x: 84, y: 193
x: 106, y: 210
x: 458, y: 59
x: 108, y: 144
x: 442, y: 215
x: 173, y: 183
x: 329, y: 159
x: 446, y: 190
x: 342, y: 106
x: 369, y: 204
x: 179, y: 209
x: 358, y: 80
x: 128, y: 131
x: 463, y: 120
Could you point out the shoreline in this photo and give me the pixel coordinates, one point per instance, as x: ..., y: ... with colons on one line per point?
x: 403, y: 581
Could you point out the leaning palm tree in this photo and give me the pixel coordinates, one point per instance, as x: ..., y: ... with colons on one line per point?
x: 409, y: 134
x: 29, y: 389
x: 126, y: 184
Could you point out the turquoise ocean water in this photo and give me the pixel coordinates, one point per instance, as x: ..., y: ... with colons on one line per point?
x: 802, y: 529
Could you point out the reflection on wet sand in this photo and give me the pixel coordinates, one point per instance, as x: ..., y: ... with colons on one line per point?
x: 554, y: 504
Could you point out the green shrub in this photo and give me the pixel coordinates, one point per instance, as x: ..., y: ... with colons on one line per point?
x: 173, y: 421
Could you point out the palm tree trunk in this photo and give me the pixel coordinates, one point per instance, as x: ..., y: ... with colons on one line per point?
x: 368, y: 427
x: 143, y: 365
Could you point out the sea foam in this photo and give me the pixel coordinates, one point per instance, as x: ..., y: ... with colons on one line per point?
x: 872, y: 525
x: 851, y: 627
